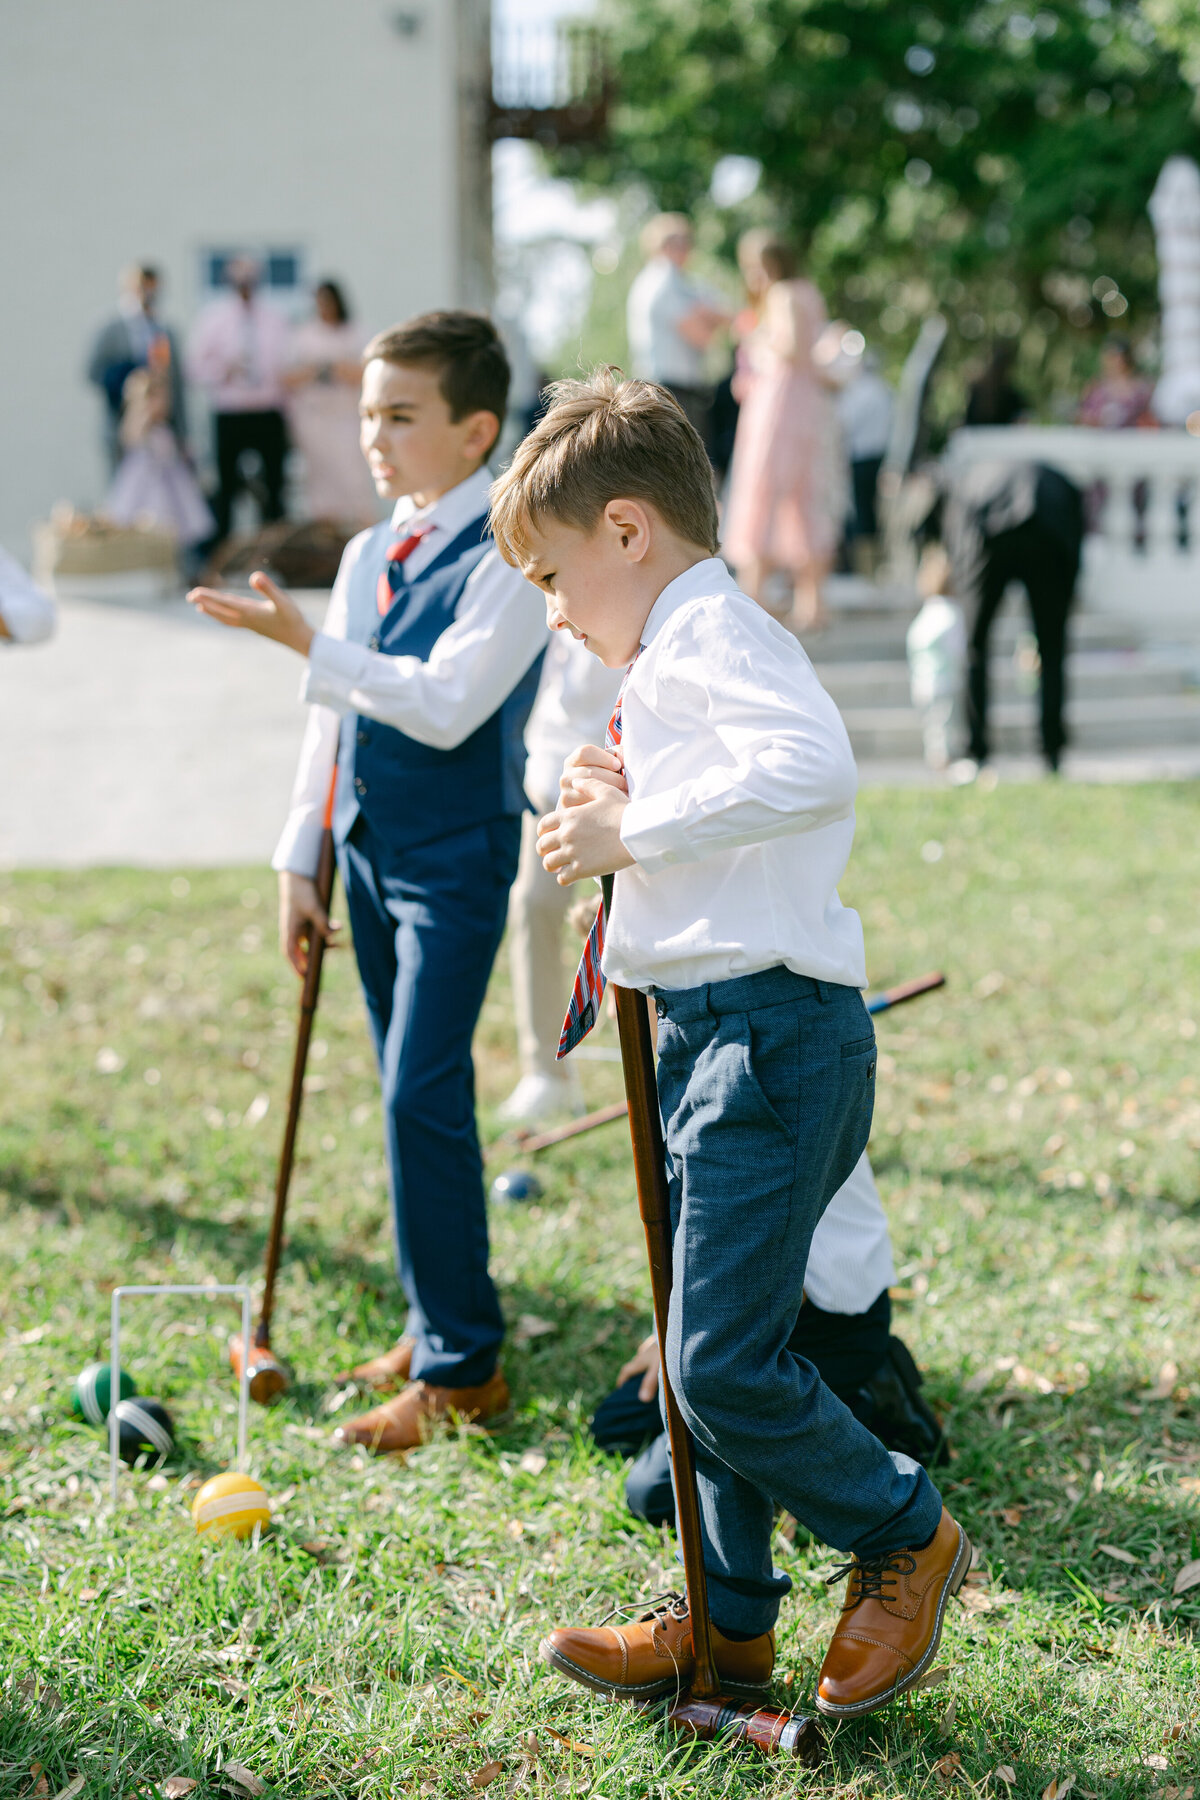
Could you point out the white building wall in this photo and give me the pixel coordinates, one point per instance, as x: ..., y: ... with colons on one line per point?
x: 138, y: 130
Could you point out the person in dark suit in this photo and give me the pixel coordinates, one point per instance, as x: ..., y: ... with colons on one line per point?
x: 133, y: 340
x: 1015, y: 522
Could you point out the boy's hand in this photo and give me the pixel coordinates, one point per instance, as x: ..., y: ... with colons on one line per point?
x: 589, y: 763
x: 274, y: 616
x: 300, y: 915
x: 584, y: 836
x: 644, y: 1363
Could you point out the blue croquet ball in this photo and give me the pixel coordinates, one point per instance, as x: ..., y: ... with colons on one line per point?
x: 144, y: 1429
x: 92, y: 1391
x: 516, y: 1184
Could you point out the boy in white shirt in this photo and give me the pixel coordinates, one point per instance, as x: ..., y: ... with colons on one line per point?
x: 726, y: 809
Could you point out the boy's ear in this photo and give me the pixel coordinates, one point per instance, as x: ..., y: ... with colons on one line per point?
x: 482, y: 434
x: 629, y: 521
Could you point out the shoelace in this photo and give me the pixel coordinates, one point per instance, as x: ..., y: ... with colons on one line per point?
x: 671, y: 1601
x: 873, y: 1573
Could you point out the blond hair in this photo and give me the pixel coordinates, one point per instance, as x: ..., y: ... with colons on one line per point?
x: 606, y: 439
x: 658, y: 231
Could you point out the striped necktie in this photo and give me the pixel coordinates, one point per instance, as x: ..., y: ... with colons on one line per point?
x: 391, y: 579
x: 588, y: 991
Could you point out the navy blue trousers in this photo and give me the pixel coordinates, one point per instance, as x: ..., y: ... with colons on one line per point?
x: 767, y: 1084
x: 427, y: 922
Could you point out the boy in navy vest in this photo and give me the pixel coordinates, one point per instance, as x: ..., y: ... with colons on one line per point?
x: 419, y: 683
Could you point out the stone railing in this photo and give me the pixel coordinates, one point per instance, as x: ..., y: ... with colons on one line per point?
x: 1142, y: 552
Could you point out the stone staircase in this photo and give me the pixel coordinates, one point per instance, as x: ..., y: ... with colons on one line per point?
x: 1133, y: 682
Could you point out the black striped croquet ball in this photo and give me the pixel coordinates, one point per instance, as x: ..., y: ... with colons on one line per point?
x: 144, y: 1430
x: 92, y: 1391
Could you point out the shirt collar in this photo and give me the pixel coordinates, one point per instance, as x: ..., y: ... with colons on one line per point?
x: 708, y: 576
x: 452, y: 512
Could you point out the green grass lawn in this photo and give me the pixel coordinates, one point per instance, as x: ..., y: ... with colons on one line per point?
x: 1036, y: 1143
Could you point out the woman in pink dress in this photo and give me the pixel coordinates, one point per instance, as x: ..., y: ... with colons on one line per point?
x: 787, y: 485
x: 323, y: 382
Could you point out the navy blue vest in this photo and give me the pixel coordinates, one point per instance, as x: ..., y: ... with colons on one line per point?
x: 411, y: 793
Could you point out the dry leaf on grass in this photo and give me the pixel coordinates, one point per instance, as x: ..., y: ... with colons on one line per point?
x: 41, y: 1787
x: 934, y: 1678
x: 73, y: 1787
x: 569, y: 1743
x: 1163, y: 1388
x: 1112, y: 1596
x: 1058, y: 1788
x: 1156, y: 1761
x: 1188, y: 1577
x: 946, y: 1767
x: 974, y: 1600
x: 1125, y: 1556
x: 1174, y: 1732
x: 530, y: 1326
x: 487, y: 1774
x: 176, y: 1786
x: 241, y: 1779
x: 533, y: 1462
x: 40, y: 1693
x: 1012, y: 1515
x: 1006, y: 1773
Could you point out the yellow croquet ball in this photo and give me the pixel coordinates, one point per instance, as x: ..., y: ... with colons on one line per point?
x: 231, y: 1505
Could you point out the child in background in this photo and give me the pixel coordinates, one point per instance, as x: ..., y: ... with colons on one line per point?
x: 154, y: 483
x: 937, y: 658
x: 726, y: 807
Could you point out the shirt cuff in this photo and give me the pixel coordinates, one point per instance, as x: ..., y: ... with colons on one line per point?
x: 299, y: 848
x: 334, y: 667
x: 653, y: 835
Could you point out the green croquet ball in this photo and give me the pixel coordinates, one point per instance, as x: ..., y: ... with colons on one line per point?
x: 92, y: 1392
x: 144, y: 1431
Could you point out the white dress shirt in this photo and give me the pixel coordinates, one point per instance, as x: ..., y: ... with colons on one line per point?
x: 660, y: 297
x: 499, y: 628
x: 741, y: 814
x: 238, y: 351
x: 850, y: 1257
x: 27, y: 612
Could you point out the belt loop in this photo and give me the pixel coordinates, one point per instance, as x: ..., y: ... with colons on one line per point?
x: 709, y: 1008
x: 822, y: 988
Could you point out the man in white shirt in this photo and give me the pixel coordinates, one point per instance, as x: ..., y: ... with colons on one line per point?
x: 671, y: 319
x: 238, y: 351
x: 724, y: 801
x: 420, y: 685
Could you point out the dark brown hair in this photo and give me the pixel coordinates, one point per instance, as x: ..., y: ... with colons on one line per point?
x: 464, y: 348
x: 606, y: 439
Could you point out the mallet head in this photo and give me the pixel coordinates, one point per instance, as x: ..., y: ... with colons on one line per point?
x: 738, y: 1721
x: 268, y: 1377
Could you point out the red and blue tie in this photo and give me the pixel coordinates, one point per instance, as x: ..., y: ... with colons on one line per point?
x: 588, y: 991
x: 391, y: 579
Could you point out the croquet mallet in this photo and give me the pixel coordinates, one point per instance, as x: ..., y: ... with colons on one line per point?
x: 703, y: 1711
x: 268, y: 1376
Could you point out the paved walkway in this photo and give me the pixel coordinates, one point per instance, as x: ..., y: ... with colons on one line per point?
x: 148, y: 735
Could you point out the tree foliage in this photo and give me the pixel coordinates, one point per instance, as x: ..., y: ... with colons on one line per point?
x: 993, y: 158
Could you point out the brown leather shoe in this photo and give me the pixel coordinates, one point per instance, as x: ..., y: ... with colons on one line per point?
x: 411, y: 1418
x: 891, y: 1622
x: 653, y: 1656
x: 391, y: 1370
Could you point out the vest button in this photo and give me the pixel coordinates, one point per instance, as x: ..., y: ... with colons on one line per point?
x: 362, y: 737
x: 360, y: 786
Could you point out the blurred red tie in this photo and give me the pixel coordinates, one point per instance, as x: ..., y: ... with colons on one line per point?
x: 398, y: 553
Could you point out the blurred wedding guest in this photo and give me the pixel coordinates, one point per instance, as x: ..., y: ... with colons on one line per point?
x: 125, y: 344
x: 322, y: 381
x: 671, y: 319
x: 26, y: 613
x: 787, y: 485
x: 864, y: 410
x: 155, y: 483
x: 575, y: 699
x: 237, y: 352
x: 1119, y: 398
x: 992, y: 398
